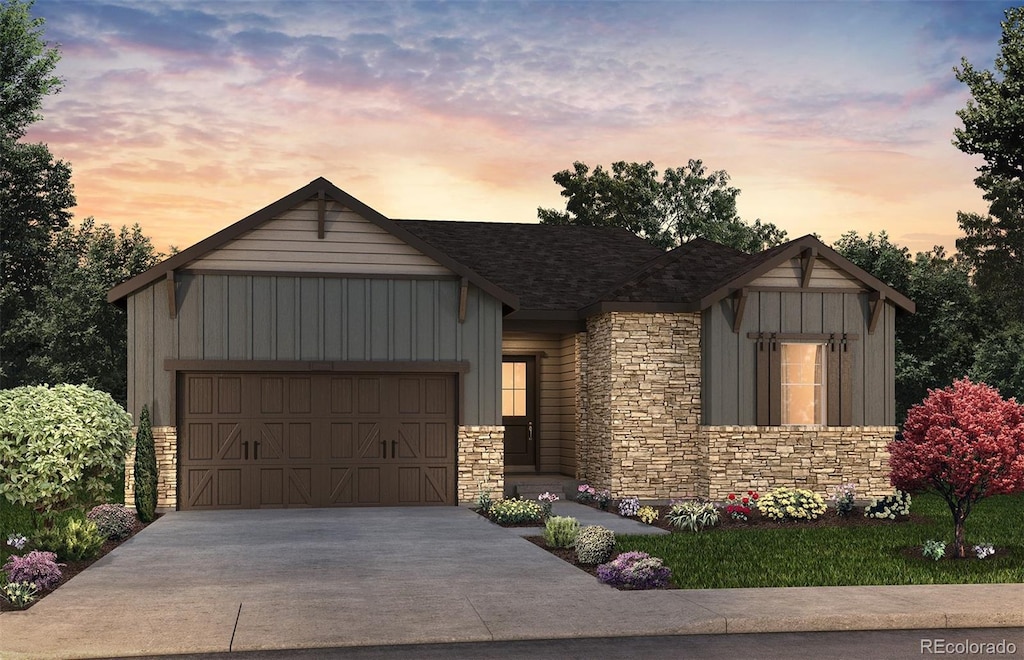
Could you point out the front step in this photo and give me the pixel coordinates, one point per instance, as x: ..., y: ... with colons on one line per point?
x: 564, y: 490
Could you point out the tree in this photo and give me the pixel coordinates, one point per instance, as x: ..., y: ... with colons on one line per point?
x: 999, y: 361
x: 90, y: 345
x: 685, y: 203
x: 964, y: 442
x: 936, y: 345
x: 993, y: 127
x: 59, y: 446
x: 35, y: 188
x: 146, y: 476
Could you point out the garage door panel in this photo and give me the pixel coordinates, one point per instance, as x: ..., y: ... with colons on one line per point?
x: 297, y: 440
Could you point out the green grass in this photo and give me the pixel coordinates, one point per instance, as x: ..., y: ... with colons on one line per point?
x: 796, y: 557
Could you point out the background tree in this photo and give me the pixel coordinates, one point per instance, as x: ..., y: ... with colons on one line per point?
x: 965, y: 443
x: 35, y: 188
x: 90, y: 345
x: 685, y: 203
x: 936, y: 345
x: 993, y: 127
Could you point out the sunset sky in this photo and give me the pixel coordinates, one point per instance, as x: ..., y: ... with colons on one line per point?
x: 187, y: 116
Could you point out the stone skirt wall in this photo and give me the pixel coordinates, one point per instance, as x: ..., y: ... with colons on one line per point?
x: 165, y: 441
x: 812, y: 457
x: 481, y: 456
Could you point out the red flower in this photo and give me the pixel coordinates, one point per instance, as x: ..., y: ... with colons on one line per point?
x: 746, y: 500
x: 732, y: 496
x: 750, y: 492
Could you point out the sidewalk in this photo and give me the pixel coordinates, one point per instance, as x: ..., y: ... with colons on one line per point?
x: 395, y: 576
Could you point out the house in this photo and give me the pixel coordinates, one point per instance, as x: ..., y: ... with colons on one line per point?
x: 317, y: 353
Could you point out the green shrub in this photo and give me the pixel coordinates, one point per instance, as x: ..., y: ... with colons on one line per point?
x: 933, y: 549
x: 561, y: 531
x: 594, y: 544
x: 114, y: 521
x: 145, y: 469
x: 889, y: 506
x: 791, y: 504
x: 484, y: 502
x: 73, y: 541
x: 59, y: 445
x: 515, y: 511
x: 693, y: 516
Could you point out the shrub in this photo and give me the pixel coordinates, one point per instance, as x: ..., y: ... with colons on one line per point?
x: 792, y: 504
x: 516, y: 511
x: 145, y: 469
x: 693, y: 516
x: 934, y: 550
x: 603, y: 497
x: 964, y: 442
x: 629, y: 507
x: 37, y: 567
x: 19, y: 594
x: 983, y: 550
x: 561, y: 531
x: 635, y: 570
x: 889, y: 506
x: 60, y: 445
x: 546, y: 501
x: 842, y: 497
x: 594, y: 544
x: 73, y: 541
x: 647, y: 514
x: 739, y: 506
x: 585, y: 493
x: 113, y: 521
x: 484, y: 501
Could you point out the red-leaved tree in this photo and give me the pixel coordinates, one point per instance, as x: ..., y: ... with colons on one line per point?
x: 964, y: 442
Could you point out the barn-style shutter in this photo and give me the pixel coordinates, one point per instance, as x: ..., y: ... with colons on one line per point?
x: 769, y: 380
x: 839, y: 384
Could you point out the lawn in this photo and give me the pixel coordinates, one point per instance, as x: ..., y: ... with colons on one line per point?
x: 836, y: 556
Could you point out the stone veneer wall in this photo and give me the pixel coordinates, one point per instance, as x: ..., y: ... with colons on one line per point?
x: 481, y: 456
x: 816, y: 458
x: 642, y: 386
x: 165, y: 441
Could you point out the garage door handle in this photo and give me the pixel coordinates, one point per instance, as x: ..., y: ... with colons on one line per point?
x: 394, y: 445
x: 256, y: 450
x: 245, y: 449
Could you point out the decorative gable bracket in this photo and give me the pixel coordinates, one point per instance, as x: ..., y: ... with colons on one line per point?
x: 877, y: 302
x: 807, y: 259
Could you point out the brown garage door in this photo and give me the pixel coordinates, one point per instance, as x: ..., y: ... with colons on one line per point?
x: 315, y: 440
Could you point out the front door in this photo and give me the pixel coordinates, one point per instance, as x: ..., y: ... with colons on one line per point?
x: 519, y: 409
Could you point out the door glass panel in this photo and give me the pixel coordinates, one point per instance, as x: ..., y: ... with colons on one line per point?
x: 513, y: 389
x: 803, y: 384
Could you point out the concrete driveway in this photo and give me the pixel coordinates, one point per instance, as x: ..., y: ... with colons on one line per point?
x: 251, y: 580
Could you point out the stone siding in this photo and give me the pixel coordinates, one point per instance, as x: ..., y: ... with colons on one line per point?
x: 816, y: 458
x: 481, y: 456
x: 642, y: 384
x: 165, y: 441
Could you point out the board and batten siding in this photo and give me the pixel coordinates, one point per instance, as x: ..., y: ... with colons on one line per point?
x: 289, y: 243
x: 729, y: 387
x: 289, y: 318
x: 556, y: 400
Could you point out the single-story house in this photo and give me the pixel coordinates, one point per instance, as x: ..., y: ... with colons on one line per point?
x: 317, y: 353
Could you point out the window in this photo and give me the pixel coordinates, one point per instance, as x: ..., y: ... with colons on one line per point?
x: 804, y: 379
x: 803, y: 383
x: 513, y: 389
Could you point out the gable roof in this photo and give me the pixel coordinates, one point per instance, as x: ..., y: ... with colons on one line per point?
x: 313, y: 189
x: 550, y: 267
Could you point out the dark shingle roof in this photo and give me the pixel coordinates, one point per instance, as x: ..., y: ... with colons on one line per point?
x: 550, y: 267
x: 682, y: 275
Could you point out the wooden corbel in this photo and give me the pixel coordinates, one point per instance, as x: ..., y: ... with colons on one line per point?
x: 809, y: 256
x: 877, y: 301
x: 321, y: 213
x: 463, y: 299
x: 172, y: 294
x: 739, y: 304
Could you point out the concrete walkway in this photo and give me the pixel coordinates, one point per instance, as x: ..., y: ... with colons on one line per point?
x: 252, y: 580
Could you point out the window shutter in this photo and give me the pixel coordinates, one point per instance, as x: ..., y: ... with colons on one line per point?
x: 769, y: 381
x: 840, y: 382
x: 763, y: 348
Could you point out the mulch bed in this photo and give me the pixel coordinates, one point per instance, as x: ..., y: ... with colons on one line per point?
x: 72, y: 568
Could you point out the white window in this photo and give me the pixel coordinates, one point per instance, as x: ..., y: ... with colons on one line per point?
x: 803, y: 383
